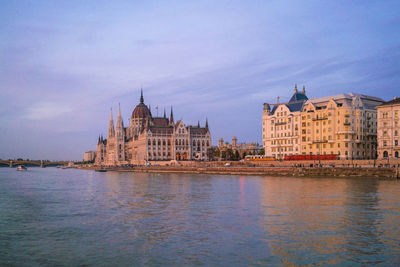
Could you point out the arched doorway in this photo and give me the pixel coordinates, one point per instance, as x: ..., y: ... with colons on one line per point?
x: 178, y: 156
x: 185, y: 156
x: 385, y: 154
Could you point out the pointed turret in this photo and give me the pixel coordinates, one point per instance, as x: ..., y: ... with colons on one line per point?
x: 171, y: 117
x: 98, y: 142
x: 198, y: 124
x: 206, y: 123
x: 119, y: 128
x: 111, y: 131
x: 295, y: 88
x: 304, y: 90
x: 165, y: 115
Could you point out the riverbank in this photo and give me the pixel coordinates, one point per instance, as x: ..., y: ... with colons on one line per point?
x: 381, y: 173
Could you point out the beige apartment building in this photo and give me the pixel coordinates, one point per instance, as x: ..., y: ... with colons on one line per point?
x: 281, y: 126
x: 344, y: 125
x: 89, y: 155
x: 389, y: 129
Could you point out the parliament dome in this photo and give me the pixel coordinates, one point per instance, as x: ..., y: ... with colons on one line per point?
x: 141, y: 110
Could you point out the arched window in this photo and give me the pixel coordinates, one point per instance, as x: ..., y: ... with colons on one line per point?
x: 163, y: 142
x: 385, y: 154
x: 154, y: 142
x: 149, y: 142
x: 395, y: 133
x: 396, y: 154
x: 194, y: 143
x: 176, y: 142
x: 159, y: 142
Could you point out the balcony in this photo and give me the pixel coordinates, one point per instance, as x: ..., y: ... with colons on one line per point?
x: 320, y: 118
x: 280, y: 123
x: 345, y: 132
x: 320, y: 141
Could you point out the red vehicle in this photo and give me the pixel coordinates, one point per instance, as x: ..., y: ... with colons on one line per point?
x: 311, y: 157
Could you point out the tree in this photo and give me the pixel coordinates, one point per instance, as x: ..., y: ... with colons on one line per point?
x: 230, y: 154
x: 212, y: 153
x: 237, y: 156
x: 223, y: 154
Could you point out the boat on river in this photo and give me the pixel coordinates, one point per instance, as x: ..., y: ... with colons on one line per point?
x: 21, y: 168
x: 100, y: 170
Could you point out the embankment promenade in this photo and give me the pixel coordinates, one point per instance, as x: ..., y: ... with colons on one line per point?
x: 380, y: 173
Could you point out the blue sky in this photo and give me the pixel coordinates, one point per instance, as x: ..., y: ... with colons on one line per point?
x: 64, y: 64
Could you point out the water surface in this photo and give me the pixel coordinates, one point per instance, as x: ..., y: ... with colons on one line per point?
x: 76, y: 217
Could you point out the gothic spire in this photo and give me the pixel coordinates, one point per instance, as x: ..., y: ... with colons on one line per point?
x: 206, y: 123
x: 198, y: 124
x: 141, y: 96
x: 111, y: 131
x: 165, y: 116
x: 295, y: 88
x: 304, y: 90
x: 120, y: 123
x: 171, y: 117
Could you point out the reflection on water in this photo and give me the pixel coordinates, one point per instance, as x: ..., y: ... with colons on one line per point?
x: 69, y: 217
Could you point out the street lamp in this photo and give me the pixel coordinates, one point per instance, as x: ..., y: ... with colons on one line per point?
x: 319, y: 155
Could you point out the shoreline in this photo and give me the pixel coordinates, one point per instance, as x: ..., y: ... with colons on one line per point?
x: 380, y: 173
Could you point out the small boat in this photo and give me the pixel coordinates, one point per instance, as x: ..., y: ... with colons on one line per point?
x: 21, y: 168
x: 100, y: 170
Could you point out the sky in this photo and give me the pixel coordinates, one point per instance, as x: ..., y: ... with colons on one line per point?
x: 64, y: 64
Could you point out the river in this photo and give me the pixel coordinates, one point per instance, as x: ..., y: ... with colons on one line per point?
x: 53, y: 217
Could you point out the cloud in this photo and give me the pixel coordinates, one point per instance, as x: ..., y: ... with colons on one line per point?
x: 46, y: 111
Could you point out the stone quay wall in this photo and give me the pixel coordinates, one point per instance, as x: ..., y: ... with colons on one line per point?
x: 380, y: 173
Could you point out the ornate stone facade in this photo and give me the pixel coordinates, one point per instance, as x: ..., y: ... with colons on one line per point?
x: 281, y: 126
x: 151, y: 138
x: 344, y: 125
x: 243, y: 149
x: 389, y: 129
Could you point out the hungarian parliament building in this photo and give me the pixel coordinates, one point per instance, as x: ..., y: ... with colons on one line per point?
x: 149, y: 138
